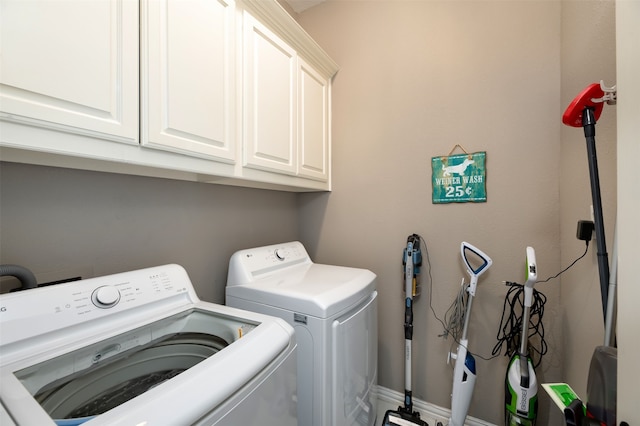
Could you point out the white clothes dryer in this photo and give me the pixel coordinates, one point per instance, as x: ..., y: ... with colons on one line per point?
x: 140, y: 348
x: 333, y: 310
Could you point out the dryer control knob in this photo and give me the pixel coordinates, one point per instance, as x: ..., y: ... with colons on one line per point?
x: 105, y: 297
x: 280, y: 254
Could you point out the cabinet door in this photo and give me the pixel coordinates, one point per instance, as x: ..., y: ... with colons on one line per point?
x: 313, y: 124
x: 71, y: 66
x: 188, y: 77
x: 269, y: 100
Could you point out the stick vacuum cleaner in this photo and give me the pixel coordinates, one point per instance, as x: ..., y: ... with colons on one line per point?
x: 521, y: 385
x: 584, y: 111
x: 464, y: 373
x: 412, y: 260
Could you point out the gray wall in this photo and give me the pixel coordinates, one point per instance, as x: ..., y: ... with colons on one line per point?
x: 60, y: 222
x: 416, y: 78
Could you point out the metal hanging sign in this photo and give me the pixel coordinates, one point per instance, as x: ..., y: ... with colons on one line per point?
x: 459, y: 178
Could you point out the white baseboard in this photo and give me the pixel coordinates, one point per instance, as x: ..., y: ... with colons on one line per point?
x: 426, y: 409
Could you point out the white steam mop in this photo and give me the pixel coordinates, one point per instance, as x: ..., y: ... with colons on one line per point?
x: 521, y: 385
x: 464, y: 373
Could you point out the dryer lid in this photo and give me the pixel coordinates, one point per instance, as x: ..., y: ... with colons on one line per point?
x: 311, y: 289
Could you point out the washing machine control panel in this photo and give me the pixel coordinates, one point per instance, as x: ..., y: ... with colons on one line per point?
x: 58, y: 306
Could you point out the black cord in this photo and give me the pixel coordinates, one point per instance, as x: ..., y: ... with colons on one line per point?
x: 565, y: 269
x: 510, y: 330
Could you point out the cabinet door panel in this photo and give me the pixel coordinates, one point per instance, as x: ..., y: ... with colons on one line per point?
x: 270, y: 100
x: 313, y: 124
x: 71, y: 65
x: 189, y: 77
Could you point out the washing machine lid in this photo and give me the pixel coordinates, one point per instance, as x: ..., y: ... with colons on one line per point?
x: 5, y: 419
x: 310, y: 288
x: 173, y: 371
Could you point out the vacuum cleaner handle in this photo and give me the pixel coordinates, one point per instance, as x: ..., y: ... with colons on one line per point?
x: 408, y: 321
x: 531, y: 276
x: 411, y: 260
x: 593, y: 96
x: 573, y: 114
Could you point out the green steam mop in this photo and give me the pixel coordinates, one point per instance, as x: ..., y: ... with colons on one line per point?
x: 521, y: 385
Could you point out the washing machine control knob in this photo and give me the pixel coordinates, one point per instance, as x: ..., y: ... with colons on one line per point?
x: 280, y: 254
x: 105, y: 297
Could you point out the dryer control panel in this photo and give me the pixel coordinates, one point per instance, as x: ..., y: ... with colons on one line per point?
x: 249, y: 265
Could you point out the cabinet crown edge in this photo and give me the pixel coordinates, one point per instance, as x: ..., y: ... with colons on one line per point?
x: 272, y: 14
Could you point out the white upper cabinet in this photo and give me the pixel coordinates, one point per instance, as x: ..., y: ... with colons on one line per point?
x: 188, y: 77
x: 287, y: 87
x: 221, y: 91
x: 313, y: 123
x: 71, y: 66
x: 270, y: 101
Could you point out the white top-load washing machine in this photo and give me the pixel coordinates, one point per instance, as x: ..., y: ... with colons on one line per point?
x: 140, y: 348
x: 5, y: 418
x: 334, y: 312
